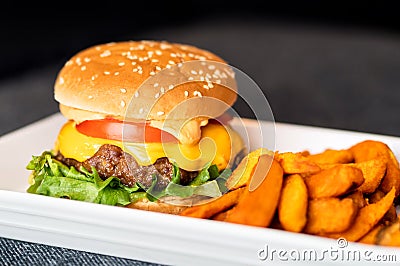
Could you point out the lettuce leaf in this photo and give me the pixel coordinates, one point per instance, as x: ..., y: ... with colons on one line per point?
x: 53, y: 178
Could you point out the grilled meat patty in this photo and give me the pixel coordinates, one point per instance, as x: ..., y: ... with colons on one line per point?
x: 111, y: 160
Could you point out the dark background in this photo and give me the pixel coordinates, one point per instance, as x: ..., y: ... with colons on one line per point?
x: 324, y: 63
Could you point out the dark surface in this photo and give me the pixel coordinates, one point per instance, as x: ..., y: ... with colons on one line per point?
x: 336, y: 67
x: 13, y: 253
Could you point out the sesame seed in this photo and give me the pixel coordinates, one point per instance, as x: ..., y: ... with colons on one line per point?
x: 78, y: 61
x: 105, y: 53
x: 168, y: 66
x: 86, y: 59
x: 157, y: 95
x: 171, y: 62
x: 152, y: 73
x: 159, y: 113
x: 172, y: 55
x: 211, y: 67
x: 123, y: 90
x: 201, y: 78
x: 140, y: 72
x: 190, y: 78
x: 180, y: 64
x: 106, y: 73
x: 170, y: 87
x: 200, y: 72
x: 164, y: 46
x: 210, y: 85
x: 135, y: 70
x: 83, y: 68
x: 69, y: 62
x: 98, y: 48
x: 154, y: 60
x: 61, y: 80
x: 122, y: 103
x: 121, y: 63
x: 190, y: 55
x: 136, y: 94
x: 158, y: 52
x: 197, y: 93
x: 90, y: 97
x: 94, y: 77
x: 156, y: 85
x: 206, y: 87
x: 133, y: 63
x: 158, y: 68
x: 193, y: 72
x: 140, y: 110
x: 162, y: 89
x: 186, y: 93
x: 218, y: 81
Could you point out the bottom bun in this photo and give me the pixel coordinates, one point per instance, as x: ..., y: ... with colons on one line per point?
x: 171, y: 205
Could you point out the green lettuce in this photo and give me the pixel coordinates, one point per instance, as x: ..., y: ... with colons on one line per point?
x: 53, y: 178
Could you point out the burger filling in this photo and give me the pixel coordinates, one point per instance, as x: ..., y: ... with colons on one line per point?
x: 97, y: 168
x: 111, y: 160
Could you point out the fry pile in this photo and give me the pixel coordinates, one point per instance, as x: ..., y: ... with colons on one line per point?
x: 350, y: 193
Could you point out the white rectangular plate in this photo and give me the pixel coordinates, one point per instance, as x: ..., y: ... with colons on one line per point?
x: 163, y: 238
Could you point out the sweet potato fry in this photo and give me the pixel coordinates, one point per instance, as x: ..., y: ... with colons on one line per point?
x: 367, y: 218
x: 334, y: 181
x: 296, y: 163
x: 392, y: 176
x: 257, y: 207
x: 220, y: 216
x: 213, y: 207
x: 389, y: 235
x: 373, y: 172
x: 391, y: 215
x: 370, y: 149
x: 293, y: 204
x: 371, y: 236
x: 243, y: 172
x: 330, y: 215
x: 330, y: 156
x: 358, y: 199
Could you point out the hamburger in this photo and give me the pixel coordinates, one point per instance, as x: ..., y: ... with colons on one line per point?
x: 139, y: 115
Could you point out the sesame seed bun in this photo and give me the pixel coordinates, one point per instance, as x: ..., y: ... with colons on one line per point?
x: 143, y: 80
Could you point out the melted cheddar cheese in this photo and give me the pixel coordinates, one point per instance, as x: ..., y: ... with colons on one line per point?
x: 73, y: 144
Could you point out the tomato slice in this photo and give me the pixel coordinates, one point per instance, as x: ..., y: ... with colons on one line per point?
x: 117, y: 130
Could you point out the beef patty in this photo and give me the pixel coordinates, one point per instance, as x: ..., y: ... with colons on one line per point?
x: 111, y: 160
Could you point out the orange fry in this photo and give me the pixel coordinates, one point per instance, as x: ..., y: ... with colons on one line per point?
x: 292, y: 209
x: 371, y: 236
x: 332, y: 157
x: 367, y: 218
x: 370, y: 149
x: 257, y: 207
x: 213, y: 207
x: 330, y: 215
x: 334, y: 181
x: 373, y: 172
x: 296, y: 163
x: 243, y: 172
x: 389, y: 235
